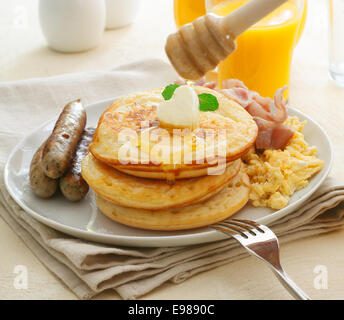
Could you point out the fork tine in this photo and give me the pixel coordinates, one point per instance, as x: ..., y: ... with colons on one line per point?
x: 223, y: 229
x: 233, y: 226
x: 250, y: 223
x: 232, y: 230
x: 246, y: 227
x: 247, y: 221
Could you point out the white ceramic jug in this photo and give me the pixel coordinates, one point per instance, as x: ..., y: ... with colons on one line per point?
x: 120, y: 13
x: 72, y: 25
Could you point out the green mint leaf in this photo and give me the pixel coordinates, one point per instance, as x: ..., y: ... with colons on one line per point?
x: 169, y: 91
x: 208, y: 102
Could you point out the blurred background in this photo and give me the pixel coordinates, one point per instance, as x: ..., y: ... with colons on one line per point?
x: 24, y: 52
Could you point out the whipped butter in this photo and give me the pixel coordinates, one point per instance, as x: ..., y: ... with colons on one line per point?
x: 181, y: 111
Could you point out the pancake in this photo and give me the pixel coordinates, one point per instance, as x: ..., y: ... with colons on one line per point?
x: 129, y: 191
x: 219, y: 207
x: 129, y: 137
x: 171, y: 175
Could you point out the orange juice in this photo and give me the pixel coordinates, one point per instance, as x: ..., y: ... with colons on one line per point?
x: 264, y: 52
x: 186, y: 11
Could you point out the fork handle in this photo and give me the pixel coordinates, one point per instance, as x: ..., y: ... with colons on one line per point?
x: 290, y: 285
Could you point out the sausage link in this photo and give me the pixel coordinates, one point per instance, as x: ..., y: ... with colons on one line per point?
x: 72, y: 185
x: 62, y: 143
x: 41, y: 185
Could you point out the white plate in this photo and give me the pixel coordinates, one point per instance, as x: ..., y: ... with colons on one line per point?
x: 83, y: 219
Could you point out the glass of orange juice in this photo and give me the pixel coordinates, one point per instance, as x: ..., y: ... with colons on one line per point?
x: 264, y: 53
x: 186, y: 11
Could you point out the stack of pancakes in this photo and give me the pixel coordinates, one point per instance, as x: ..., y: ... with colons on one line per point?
x: 141, y: 181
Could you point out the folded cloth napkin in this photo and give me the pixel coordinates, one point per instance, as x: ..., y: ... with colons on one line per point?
x: 88, y: 268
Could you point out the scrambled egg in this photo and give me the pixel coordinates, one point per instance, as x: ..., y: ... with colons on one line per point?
x: 275, y: 174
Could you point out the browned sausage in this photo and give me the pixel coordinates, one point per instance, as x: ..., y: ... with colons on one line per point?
x: 41, y: 185
x: 62, y: 143
x: 72, y: 185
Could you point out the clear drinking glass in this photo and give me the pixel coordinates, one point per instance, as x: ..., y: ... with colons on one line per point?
x: 336, y: 40
x: 264, y: 53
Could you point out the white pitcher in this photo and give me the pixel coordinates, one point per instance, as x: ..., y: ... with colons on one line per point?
x: 72, y: 25
x: 120, y: 13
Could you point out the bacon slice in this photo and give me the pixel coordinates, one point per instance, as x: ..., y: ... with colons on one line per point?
x: 280, y: 104
x: 272, y: 135
x: 268, y: 114
x: 239, y: 95
x: 237, y: 91
x: 233, y: 83
x: 281, y: 136
x: 202, y: 82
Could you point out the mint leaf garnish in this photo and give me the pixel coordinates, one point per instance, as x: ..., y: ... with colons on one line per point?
x: 169, y: 91
x: 208, y: 102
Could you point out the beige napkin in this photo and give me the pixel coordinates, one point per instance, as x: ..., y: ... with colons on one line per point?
x: 88, y: 268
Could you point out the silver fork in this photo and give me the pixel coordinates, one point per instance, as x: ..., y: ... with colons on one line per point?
x: 261, y: 242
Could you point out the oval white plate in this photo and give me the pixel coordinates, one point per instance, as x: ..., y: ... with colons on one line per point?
x: 83, y: 219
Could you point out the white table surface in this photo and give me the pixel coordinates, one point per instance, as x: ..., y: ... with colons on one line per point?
x: 24, y: 54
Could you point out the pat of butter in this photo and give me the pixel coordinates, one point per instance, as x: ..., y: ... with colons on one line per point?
x: 181, y: 111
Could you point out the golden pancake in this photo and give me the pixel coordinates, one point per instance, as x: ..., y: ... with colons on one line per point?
x: 129, y: 191
x: 219, y: 207
x: 129, y: 137
x: 186, y: 173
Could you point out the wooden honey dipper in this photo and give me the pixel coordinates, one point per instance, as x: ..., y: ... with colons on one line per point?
x: 198, y: 47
